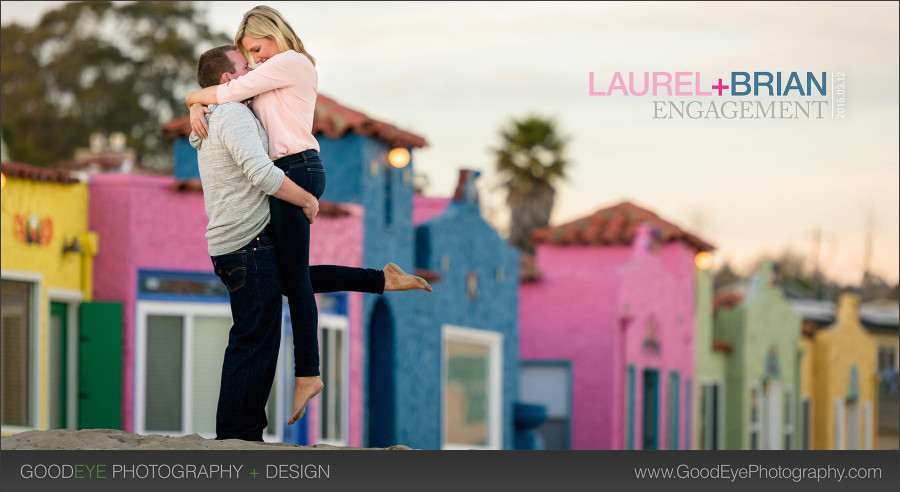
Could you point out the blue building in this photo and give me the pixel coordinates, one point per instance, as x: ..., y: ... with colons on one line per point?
x: 426, y: 370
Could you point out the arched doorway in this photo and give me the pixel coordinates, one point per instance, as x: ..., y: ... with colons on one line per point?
x: 381, y: 377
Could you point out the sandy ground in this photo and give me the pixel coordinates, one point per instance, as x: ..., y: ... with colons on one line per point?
x: 117, y: 439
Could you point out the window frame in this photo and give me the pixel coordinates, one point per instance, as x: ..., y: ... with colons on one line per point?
x: 839, y: 432
x: 189, y: 310
x: 72, y: 300
x: 340, y: 323
x: 806, y: 405
x: 494, y: 342
x: 565, y: 365
x: 887, y: 350
x: 705, y: 385
x: 852, y: 411
x: 790, y: 419
x: 36, y: 364
x: 687, y: 435
x: 756, y: 426
x: 868, y: 424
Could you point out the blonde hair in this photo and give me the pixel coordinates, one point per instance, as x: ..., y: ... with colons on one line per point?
x: 266, y: 22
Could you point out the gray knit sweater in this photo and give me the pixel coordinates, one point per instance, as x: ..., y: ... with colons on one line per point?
x: 237, y: 177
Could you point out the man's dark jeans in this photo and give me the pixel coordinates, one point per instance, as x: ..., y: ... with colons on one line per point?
x: 254, y: 290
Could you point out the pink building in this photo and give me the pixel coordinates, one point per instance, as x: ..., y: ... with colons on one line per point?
x: 607, y: 322
x: 176, y: 316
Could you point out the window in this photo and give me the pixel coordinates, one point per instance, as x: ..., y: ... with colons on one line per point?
x: 789, y: 418
x: 838, y: 423
x: 688, y: 416
x: 852, y: 425
x: 867, y: 427
x: 755, y: 414
x: 629, y: 412
x: 807, y: 423
x: 887, y: 357
x: 472, y: 388
x: 388, y: 196
x: 179, y: 367
x: 18, y: 353
x: 674, y: 385
x: 548, y: 383
x: 165, y: 379
x: 334, y: 356
x: 710, y: 416
x: 651, y: 406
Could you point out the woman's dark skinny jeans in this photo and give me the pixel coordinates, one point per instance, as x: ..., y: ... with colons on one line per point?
x: 291, y: 229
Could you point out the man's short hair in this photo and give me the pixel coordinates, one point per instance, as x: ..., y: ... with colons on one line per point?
x: 213, y: 63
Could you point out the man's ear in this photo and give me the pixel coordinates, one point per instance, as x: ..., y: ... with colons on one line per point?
x: 226, y: 77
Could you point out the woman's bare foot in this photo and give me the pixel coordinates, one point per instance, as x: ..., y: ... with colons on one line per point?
x: 396, y: 279
x: 305, y: 389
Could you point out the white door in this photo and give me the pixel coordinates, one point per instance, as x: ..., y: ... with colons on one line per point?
x: 773, y: 417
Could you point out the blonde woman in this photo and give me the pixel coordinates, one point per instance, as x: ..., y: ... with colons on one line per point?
x: 284, y: 89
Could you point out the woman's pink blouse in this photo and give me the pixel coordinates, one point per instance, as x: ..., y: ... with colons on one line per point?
x: 284, y: 90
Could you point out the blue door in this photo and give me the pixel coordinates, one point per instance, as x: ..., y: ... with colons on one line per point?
x: 381, y: 424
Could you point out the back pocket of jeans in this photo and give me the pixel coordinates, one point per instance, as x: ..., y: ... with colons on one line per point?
x: 316, y: 182
x: 232, y: 270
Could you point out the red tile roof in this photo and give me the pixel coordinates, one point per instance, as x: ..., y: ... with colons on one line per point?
x: 726, y: 299
x: 809, y: 328
x: 36, y: 173
x: 332, y: 120
x: 614, y: 225
x: 722, y: 346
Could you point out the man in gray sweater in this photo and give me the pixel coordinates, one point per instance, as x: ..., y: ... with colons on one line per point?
x: 238, y: 179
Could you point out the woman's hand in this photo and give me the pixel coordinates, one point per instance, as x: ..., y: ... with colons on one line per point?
x: 198, y: 120
x: 311, y: 210
x: 295, y: 195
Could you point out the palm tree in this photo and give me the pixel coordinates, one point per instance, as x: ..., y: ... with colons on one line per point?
x: 531, y: 160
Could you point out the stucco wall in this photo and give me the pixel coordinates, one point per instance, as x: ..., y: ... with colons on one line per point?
x: 584, y: 292
x: 61, y: 211
x: 838, y: 348
x: 145, y: 226
x: 469, y: 244
x: 149, y: 226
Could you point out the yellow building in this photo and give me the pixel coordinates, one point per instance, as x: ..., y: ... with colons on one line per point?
x: 46, y: 274
x: 839, y: 381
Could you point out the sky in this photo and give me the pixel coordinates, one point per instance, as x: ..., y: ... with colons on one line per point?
x: 456, y: 73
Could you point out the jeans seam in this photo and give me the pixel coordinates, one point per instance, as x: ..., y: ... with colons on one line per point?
x: 257, y: 323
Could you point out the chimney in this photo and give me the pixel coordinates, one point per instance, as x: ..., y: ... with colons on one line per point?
x: 848, y: 307
x: 643, y: 242
x: 465, y: 190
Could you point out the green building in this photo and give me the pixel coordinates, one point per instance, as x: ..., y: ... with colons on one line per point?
x: 747, y: 365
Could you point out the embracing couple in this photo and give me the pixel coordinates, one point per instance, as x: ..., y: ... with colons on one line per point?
x: 262, y: 178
